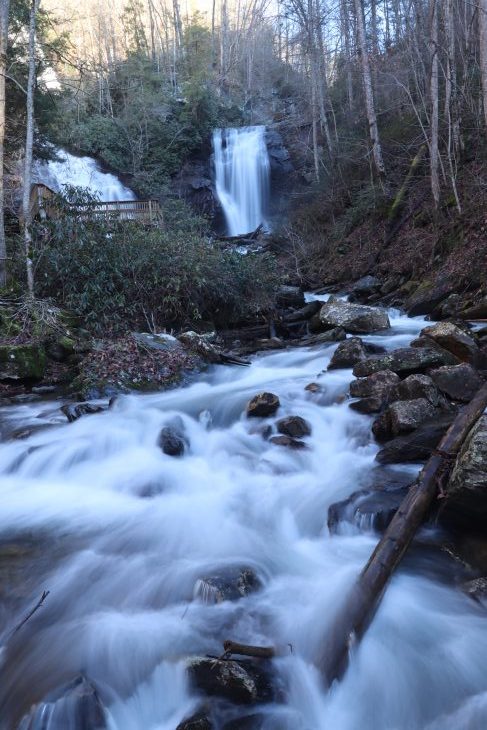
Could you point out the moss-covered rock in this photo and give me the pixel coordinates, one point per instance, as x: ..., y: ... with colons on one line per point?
x: 22, y: 362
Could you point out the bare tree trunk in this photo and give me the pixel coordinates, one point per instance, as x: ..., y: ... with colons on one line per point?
x: 345, y: 28
x: 434, y: 117
x: 4, y: 12
x: 369, y: 95
x: 29, y: 143
x: 483, y: 51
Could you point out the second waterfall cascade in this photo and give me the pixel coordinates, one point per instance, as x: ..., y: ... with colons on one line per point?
x: 242, y: 177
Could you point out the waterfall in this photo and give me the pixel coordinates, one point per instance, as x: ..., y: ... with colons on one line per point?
x: 82, y: 172
x: 242, y: 176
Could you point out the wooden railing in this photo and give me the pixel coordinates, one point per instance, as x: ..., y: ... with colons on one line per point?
x: 149, y: 212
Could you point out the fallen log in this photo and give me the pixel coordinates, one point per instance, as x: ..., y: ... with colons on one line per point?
x: 243, y: 236
x: 261, y: 652
x: 362, y: 602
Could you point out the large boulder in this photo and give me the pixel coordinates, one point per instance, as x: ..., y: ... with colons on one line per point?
x: 404, y: 361
x: 365, y: 287
x: 242, y: 682
x: 22, y: 362
x: 417, y: 445
x: 453, y: 339
x: 354, y: 318
x: 373, y: 391
x: 75, y: 706
x: 416, y: 386
x: 348, y: 353
x: 466, y: 492
x: 427, y: 296
x: 457, y: 382
x: 402, y: 417
x: 229, y: 584
x: 294, y: 426
x: 263, y: 405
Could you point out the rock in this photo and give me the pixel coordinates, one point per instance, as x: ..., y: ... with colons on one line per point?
x: 476, y: 589
x: 367, y: 405
x: 348, y: 353
x: 228, y: 585
x: 60, y: 349
x: 454, y: 340
x: 198, y: 721
x: 405, y: 360
x: 294, y: 426
x: 73, y: 411
x: 289, y: 442
x: 417, y: 445
x: 243, y: 682
x: 465, y: 505
x: 172, y: 440
x: 263, y: 405
x: 427, y: 296
x: 376, y: 386
x: 402, y: 417
x: 367, y: 510
x: 22, y: 362
x: 458, y: 382
x: 76, y: 706
x: 289, y: 297
x: 306, y: 312
x: 477, y: 311
x: 202, y: 346
x: 416, y: 386
x: 313, y: 388
x: 354, y: 318
x: 255, y: 721
x: 366, y: 285
x: 279, y: 157
x: 162, y: 343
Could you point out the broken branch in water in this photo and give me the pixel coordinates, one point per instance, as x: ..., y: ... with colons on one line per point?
x: 261, y: 652
x: 32, y: 612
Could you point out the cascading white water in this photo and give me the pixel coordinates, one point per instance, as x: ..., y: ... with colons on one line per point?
x: 82, y: 172
x: 120, y: 533
x: 242, y: 175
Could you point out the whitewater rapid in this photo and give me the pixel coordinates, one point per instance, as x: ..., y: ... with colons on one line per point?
x: 120, y: 533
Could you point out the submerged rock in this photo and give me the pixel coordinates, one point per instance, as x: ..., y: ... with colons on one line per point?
x: 476, y: 589
x: 75, y: 706
x: 289, y: 442
x: 172, y: 439
x: 294, y: 426
x: 354, y: 318
x: 263, y: 405
x: 243, y: 682
x: 228, y: 585
x: 73, y: 411
x: 255, y: 721
x: 367, y: 510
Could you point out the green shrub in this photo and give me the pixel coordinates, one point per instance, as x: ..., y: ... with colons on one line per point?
x: 124, y: 275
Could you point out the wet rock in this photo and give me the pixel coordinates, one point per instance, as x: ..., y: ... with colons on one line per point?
x: 354, y: 318
x: 466, y: 492
x: 73, y: 411
x: 289, y: 442
x: 263, y: 405
x: 75, y: 706
x: 290, y: 296
x: 367, y: 405
x: 402, y: 417
x: 249, y: 722
x: 304, y: 313
x: 458, y: 382
x: 294, y: 426
x: 229, y: 584
x: 367, y: 510
x: 416, y: 386
x: 373, y: 390
x: 243, y: 682
x: 453, y: 339
x: 477, y: 311
x: 348, y: 353
x: 429, y: 344
x: 476, y: 589
x: 404, y: 361
x: 417, y: 445
x: 172, y: 440
x: 22, y: 362
x: 313, y: 388
x: 198, y: 721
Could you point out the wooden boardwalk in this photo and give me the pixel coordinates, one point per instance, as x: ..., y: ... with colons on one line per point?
x: 148, y: 212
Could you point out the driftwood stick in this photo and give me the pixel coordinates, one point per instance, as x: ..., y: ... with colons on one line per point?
x: 262, y: 652
x: 32, y: 612
x: 360, y: 606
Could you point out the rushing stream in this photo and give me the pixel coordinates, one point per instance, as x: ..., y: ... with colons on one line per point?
x: 120, y: 533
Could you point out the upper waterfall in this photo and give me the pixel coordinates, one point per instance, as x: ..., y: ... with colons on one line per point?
x: 81, y: 172
x: 242, y: 176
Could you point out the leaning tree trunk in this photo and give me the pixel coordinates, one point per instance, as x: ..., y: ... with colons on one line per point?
x: 4, y: 12
x: 434, y: 117
x: 29, y: 144
x: 361, y: 604
x: 369, y: 94
x: 482, y: 6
